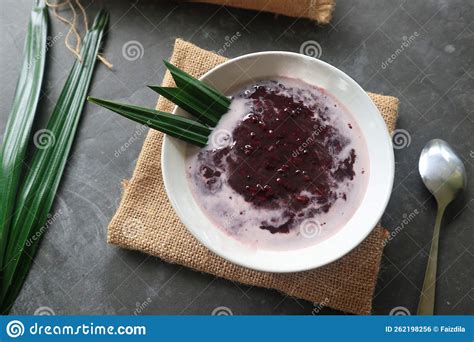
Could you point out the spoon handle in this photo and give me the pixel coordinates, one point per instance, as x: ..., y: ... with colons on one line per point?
x: 427, y: 298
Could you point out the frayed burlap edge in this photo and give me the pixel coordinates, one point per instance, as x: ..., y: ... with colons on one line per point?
x: 145, y: 221
x: 317, y: 10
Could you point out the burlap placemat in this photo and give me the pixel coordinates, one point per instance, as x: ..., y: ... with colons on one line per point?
x: 145, y: 221
x: 318, y: 10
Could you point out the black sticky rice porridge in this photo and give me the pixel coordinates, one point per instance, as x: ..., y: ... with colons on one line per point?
x: 286, y: 167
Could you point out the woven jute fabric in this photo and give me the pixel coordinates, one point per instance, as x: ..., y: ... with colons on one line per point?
x: 145, y: 221
x: 317, y: 10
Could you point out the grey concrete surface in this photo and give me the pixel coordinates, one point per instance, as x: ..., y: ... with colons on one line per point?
x: 76, y: 272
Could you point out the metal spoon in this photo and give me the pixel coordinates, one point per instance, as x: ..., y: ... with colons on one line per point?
x: 444, y: 175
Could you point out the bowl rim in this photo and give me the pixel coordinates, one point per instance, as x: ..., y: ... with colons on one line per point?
x: 285, y: 268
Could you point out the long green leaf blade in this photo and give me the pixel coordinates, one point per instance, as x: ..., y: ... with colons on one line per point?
x: 25, y: 102
x: 198, y: 88
x: 174, y: 125
x: 203, y: 112
x: 37, y: 195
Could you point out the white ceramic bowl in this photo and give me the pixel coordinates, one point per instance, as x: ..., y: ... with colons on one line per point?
x: 256, y: 66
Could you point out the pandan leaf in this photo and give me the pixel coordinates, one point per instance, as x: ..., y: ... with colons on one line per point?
x: 25, y: 103
x: 177, y: 126
x: 42, y: 180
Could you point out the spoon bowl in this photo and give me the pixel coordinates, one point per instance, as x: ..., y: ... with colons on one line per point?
x: 442, y: 171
